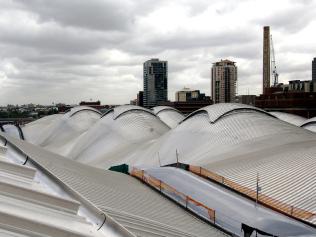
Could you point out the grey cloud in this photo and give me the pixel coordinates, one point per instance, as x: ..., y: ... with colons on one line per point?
x: 92, y: 14
x: 291, y: 19
x: 245, y: 51
x: 67, y: 51
x: 52, y: 38
x: 186, y: 40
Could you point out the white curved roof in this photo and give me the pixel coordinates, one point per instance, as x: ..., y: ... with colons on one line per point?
x: 233, y: 140
x: 60, y: 131
x: 310, y: 124
x: 158, y: 109
x: 119, y: 110
x: 141, y: 210
x: 217, y: 111
x: 289, y: 118
x: 238, y: 146
x: 117, y: 134
x: 12, y: 130
x: 170, y: 116
x: 78, y: 109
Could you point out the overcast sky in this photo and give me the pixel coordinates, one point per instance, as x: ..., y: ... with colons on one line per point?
x: 73, y: 50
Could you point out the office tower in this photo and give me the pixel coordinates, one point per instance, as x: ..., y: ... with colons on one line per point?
x: 155, y: 82
x: 224, y: 78
x: 266, y: 59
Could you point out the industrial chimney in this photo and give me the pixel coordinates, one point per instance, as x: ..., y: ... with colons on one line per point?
x: 266, y: 58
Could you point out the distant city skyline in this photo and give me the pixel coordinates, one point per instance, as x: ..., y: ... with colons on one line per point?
x: 52, y: 53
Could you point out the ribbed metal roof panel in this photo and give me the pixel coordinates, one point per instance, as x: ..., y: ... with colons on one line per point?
x: 310, y: 124
x: 137, y: 207
x: 169, y: 115
x: 217, y: 111
x: 75, y: 110
x: 29, y: 209
x: 119, y: 110
x: 240, y: 145
x: 158, y: 109
x: 289, y: 118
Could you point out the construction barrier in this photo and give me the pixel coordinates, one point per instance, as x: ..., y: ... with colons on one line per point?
x: 259, y: 197
x: 186, y: 201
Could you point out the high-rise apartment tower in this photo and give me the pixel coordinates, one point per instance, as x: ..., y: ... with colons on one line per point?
x: 266, y: 58
x: 155, y: 82
x: 224, y: 79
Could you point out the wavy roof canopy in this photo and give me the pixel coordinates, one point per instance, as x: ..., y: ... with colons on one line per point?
x: 139, y: 209
x: 78, y: 109
x: 239, y: 143
x: 310, y: 124
x: 169, y: 115
x: 119, y: 110
x: 218, y: 111
x: 12, y: 130
x: 57, y: 133
x: 118, y: 133
x: 289, y: 118
x: 234, y: 140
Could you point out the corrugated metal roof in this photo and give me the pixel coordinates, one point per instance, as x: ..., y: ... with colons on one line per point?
x: 234, y: 140
x: 169, y: 115
x: 77, y: 109
x: 289, y: 118
x: 29, y: 209
x: 240, y: 145
x: 158, y: 109
x: 138, y: 208
x: 119, y: 110
x: 217, y: 111
x: 310, y: 124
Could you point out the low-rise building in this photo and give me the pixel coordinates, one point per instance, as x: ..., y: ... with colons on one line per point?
x: 186, y: 94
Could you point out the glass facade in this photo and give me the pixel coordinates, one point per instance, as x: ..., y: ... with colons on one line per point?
x: 155, y: 82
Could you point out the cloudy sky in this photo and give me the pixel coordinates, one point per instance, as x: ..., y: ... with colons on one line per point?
x: 73, y: 50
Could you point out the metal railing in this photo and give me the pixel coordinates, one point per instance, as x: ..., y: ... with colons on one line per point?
x: 254, y: 195
x: 186, y: 201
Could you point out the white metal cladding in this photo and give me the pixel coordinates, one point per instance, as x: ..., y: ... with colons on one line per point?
x: 311, y: 127
x: 197, y: 141
x: 290, y: 118
x: 234, y: 140
x: 12, y: 130
x: 309, y: 121
x: 75, y: 110
x: 119, y: 110
x: 34, y: 129
x: 217, y: 111
x: 310, y: 124
x: 58, y: 134
x: 158, y: 109
x: 240, y: 145
x: 109, y: 141
x: 140, y: 209
x: 27, y: 209
x: 169, y: 115
x: 230, y: 208
x: 3, y: 150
